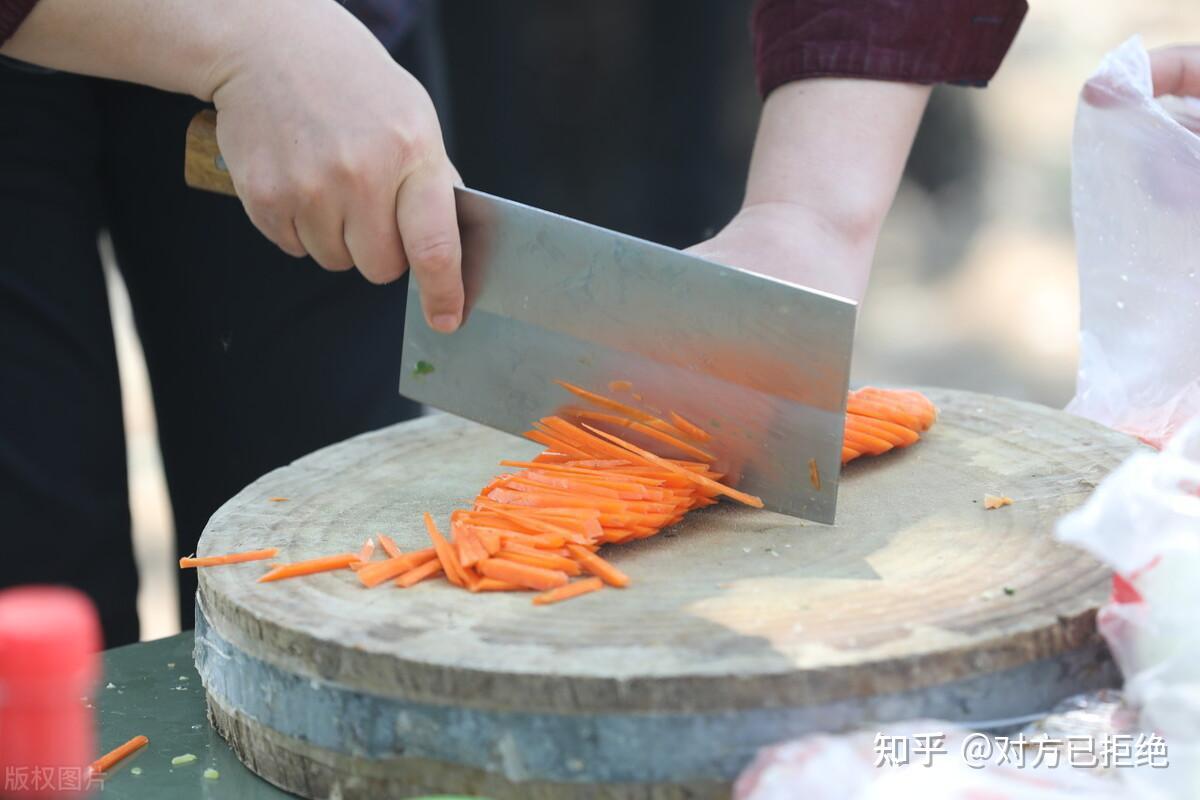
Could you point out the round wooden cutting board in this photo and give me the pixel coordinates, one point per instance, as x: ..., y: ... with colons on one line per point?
x: 741, y: 627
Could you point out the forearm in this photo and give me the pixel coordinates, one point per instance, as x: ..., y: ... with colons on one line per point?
x: 177, y: 45
x: 836, y: 148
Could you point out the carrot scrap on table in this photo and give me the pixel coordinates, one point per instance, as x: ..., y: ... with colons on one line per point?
x: 119, y: 754
x: 991, y: 501
x: 229, y: 558
x: 541, y: 524
x: 277, y: 499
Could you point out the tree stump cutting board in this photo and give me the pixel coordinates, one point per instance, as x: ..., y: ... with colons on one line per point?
x: 740, y: 628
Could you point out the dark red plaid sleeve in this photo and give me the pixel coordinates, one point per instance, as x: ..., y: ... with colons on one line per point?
x: 12, y: 14
x: 916, y: 41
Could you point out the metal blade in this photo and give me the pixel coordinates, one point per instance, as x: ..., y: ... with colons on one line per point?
x: 760, y: 364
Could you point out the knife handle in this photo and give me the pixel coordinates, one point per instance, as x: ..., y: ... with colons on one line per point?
x: 203, y: 166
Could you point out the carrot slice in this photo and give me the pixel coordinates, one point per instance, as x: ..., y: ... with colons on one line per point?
x: 368, y: 550
x: 604, y: 402
x: 598, y: 566
x: 118, y: 754
x: 620, y: 385
x: 575, y: 589
x: 542, y: 559
x: 377, y: 572
x: 310, y: 567
x: 493, y: 585
x: 445, y: 553
x: 228, y: 558
x: 388, y: 545
x: 418, y: 574
x: 654, y: 433
x: 694, y: 431
x: 522, y: 574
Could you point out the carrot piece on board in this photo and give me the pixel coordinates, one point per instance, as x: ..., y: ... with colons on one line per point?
x: 493, y: 585
x: 814, y: 474
x: 620, y: 385
x: 849, y: 454
x: 689, y: 429
x: 567, y: 592
x: 367, y: 550
x: 470, y: 550
x: 310, y: 567
x: 992, y: 501
x: 605, y: 402
x: 542, y: 559
x: 655, y: 433
x: 719, y: 488
x: 377, y: 572
x: 118, y: 754
x: 445, y: 553
x: 388, y: 545
x: 228, y: 558
x: 521, y: 574
x: 598, y: 566
x: 418, y: 574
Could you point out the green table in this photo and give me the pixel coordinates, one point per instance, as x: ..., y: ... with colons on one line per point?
x: 152, y: 688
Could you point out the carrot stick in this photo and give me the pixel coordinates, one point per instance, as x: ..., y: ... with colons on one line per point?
x: 119, y: 754
x: 719, y: 488
x: 567, y: 592
x: 388, y: 545
x: 543, y: 559
x: 598, y: 566
x: 310, y: 567
x: 368, y: 550
x: 493, y: 585
x: 377, y: 572
x: 620, y: 385
x: 605, y: 402
x: 522, y: 574
x: 445, y: 553
x: 418, y: 574
x: 694, y: 431
x: 814, y: 474
x: 654, y: 433
x: 228, y: 558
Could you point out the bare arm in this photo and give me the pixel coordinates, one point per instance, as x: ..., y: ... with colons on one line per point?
x: 827, y: 161
x: 335, y: 151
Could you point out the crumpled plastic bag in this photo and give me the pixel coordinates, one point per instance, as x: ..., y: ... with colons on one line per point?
x: 1135, y: 193
x: 1143, y: 520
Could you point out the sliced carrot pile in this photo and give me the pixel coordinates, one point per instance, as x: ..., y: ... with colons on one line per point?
x: 110, y: 759
x: 539, y: 527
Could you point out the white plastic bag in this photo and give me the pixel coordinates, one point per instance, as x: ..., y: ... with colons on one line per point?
x: 1135, y: 192
x: 1144, y: 522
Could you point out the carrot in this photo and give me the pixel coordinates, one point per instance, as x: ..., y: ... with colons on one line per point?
x: 493, y: 585
x: 445, y: 553
x: 229, y: 558
x: 119, y: 754
x: 719, y: 488
x: 418, y: 574
x: 620, y: 386
x: 604, y: 402
x: 388, y: 545
x: 310, y: 567
x: 567, y: 592
x: 377, y: 572
x: 598, y: 566
x: 542, y: 559
x: 470, y: 550
x: 522, y: 574
x: 694, y: 431
x: 814, y: 474
x: 368, y: 550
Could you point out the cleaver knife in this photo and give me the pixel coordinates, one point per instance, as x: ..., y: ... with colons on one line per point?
x: 760, y: 364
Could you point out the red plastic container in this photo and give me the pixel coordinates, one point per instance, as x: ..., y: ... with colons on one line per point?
x: 49, y: 661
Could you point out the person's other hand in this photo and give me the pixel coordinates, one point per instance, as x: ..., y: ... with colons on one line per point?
x: 794, y: 244
x: 1176, y: 70
x: 336, y: 152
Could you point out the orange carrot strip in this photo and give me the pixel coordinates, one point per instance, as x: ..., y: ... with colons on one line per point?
x: 599, y: 567
x: 522, y: 574
x: 546, y: 440
x: 575, y: 589
x: 493, y: 585
x: 418, y: 574
x: 388, y: 545
x: 814, y: 474
x: 620, y: 385
x: 655, y: 433
x: 550, y: 457
x: 896, y: 435
x: 719, y: 488
x: 542, y: 559
x: 228, y: 558
x: 115, y: 756
x: 445, y: 553
x: 470, y: 550
x: 871, y: 407
x: 605, y: 402
x: 310, y: 567
x: 689, y: 429
x: 368, y: 550
x: 849, y: 454
x: 377, y: 572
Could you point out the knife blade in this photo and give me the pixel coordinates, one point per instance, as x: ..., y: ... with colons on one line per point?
x: 762, y: 365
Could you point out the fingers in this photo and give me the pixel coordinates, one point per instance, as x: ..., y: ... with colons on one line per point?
x: 1176, y: 70
x: 321, y: 229
x: 428, y: 223
x: 373, y: 239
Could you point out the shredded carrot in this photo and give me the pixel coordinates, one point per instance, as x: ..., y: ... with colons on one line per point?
x: 567, y: 592
x: 493, y: 585
x: 377, y: 572
x: 368, y: 550
x: 388, y: 545
x: 418, y: 574
x: 620, y: 386
x: 310, y: 567
x: 522, y: 574
x: 599, y: 567
x: 228, y: 558
x: 110, y: 759
x: 277, y: 499
x: 694, y: 431
x: 814, y: 474
x: 445, y: 553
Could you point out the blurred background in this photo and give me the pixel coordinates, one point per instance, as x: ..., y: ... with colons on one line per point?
x: 639, y: 116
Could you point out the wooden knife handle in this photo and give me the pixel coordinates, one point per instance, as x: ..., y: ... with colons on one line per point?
x: 203, y: 167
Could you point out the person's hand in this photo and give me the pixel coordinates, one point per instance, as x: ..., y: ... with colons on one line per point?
x: 1176, y: 70
x: 794, y: 244
x: 336, y: 152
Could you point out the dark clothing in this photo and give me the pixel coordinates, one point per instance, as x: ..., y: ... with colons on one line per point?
x: 915, y: 41
x: 918, y: 41
x: 255, y: 358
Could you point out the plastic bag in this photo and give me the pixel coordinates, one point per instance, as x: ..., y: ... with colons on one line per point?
x: 1135, y: 192
x: 1144, y: 521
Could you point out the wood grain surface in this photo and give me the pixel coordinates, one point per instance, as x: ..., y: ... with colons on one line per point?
x: 916, y: 588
